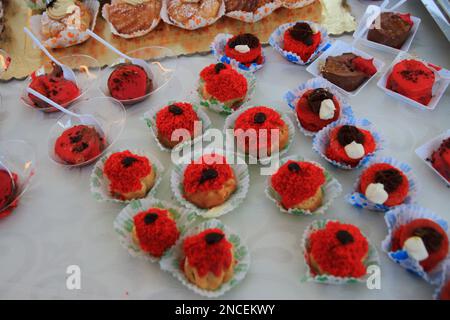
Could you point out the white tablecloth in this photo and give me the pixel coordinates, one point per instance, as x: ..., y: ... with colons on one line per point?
x: 58, y: 223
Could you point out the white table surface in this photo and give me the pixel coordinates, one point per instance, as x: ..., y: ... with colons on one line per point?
x: 58, y: 223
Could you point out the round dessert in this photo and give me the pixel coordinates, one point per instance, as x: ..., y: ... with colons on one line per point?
x: 244, y: 48
x: 179, y: 115
x: 445, y: 292
x: 209, y: 259
x: 129, y: 81
x: 384, y: 184
x: 317, y: 108
x: 223, y: 83
x: 302, y: 40
x: 412, y: 79
x: 53, y: 86
x: 245, y: 6
x: 338, y: 250
x: 424, y: 240
x: 299, y: 185
x: 391, y: 29
x: 440, y: 159
x: 79, y: 144
x: 7, y: 188
x: 349, y: 144
x: 131, y: 176
x: 254, y: 128
x: 155, y: 231
x: 209, y: 182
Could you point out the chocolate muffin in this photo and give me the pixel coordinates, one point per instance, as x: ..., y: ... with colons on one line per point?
x: 393, y: 29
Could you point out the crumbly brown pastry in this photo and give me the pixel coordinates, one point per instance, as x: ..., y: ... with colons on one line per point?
x: 184, y: 10
x: 245, y: 5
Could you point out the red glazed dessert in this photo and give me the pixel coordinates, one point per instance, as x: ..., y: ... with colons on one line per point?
x: 349, y: 144
x: 179, y: 115
x: 129, y: 81
x: 8, y: 190
x: 393, y: 29
x: 155, y: 231
x: 445, y: 292
x: 55, y: 87
x: 299, y: 185
x: 79, y: 144
x: 338, y: 250
x: 244, y: 48
x: 258, y: 119
x: 433, y: 237
x: 223, y: 83
x: 209, y: 260
x: 440, y: 159
x: 412, y: 79
x: 209, y: 182
x: 317, y: 108
x: 131, y: 176
x: 302, y: 40
x: 394, y: 184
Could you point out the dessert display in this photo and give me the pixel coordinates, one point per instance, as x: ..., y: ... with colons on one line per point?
x: 245, y: 48
x: 440, y: 159
x: 79, y: 144
x: 348, y: 71
x: 155, y: 231
x: 391, y: 29
x: 210, y: 182
x: 130, y: 176
x: 8, y: 189
x: 129, y: 81
x: 208, y: 259
x: 412, y: 79
x: 184, y: 11
x: 302, y: 39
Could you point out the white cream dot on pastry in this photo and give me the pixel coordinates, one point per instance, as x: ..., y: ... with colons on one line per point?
x: 354, y: 150
x: 327, y: 109
x: 375, y: 192
x: 242, y: 48
x: 415, y: 248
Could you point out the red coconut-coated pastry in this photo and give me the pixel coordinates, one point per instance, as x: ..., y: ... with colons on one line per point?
x: 364, y: 65
x: 445, y: 292
x: 338, y: 250
x: 220, y: 81
x: 155, y: 231
x: 433, y: 236
x: 54, y: 86
x: 209, y: 260
x: 309, y: 112
x: 260, y: 118
x: 179, y: 115
x: 244, y: 48
x: 299, y: 184
x: 79, y: 144
x: 209, y: 182
x: 302, y: 40
x: 8, y: 190
x: 343, y: 136
x: 129, y: 81
x: 131, y: 176
x: 440, y: 159
x: 412, y: 79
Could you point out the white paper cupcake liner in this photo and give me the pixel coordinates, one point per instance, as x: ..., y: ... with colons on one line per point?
x: 292, y: 97
x: 229, y: 125
x: 67, y: 37
x: 124, y: 223
x: 331, y: 190
x: 445, y: 280
x: 218, y: 50
x: 240, y: 171
x: 296, y: 4
x: 252, y: 17
x: 360, y: 201
x: 193, y: 23
x: 100, y: 184
x: 150, y: 119
x: 322, y: 139
x: 371, y: 260
x: 170, y: 262
x: 276, y: 40
x: 402, y: 215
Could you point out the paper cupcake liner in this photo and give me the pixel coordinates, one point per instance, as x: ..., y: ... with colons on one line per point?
x: 276, y: 40
x: 218, y: 50
x: 38, y: 5
x: 292, y: 97
x: 229, y: 125
x: 150, y: 119
x: 296, y: 4
x: 402, y: 215
x: 252, y: 17
x: 445, y: 280
x: 359, y: 200
x: 124, y: 223
x: 371, y: 260
x: 195, y: 22
x: 331, y: 190
x: 67, y: 37
x: 240, y: 171
x: 100, y: 184
x: 322, y: 139
x: 170, y: 262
